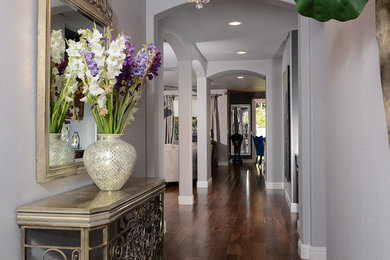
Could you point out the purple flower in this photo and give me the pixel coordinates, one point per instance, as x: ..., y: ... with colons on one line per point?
x: 155, y: 66
x: 126, y: 71
x: 62, y: 67
x: 92, y: 66
x: 150, y: 47
x: 140, y: 61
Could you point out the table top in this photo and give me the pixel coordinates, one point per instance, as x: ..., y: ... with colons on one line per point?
x: 88, y: 206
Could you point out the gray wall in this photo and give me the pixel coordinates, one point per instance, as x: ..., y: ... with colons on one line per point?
x: 357, y: 150
x: 18, y: 52
x: 129, y: 17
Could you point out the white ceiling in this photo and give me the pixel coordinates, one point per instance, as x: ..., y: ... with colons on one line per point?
x: 248, y: 83
x: 262, y: 35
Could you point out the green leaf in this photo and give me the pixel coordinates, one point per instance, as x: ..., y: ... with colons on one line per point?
x: 324, y: 10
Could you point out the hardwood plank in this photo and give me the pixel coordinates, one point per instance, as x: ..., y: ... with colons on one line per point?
x: 234, y: 219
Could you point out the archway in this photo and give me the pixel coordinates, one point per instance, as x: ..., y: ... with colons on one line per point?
x: 241, y: 89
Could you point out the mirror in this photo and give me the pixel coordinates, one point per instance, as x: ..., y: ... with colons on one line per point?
x: 241, y: 124
x: 79, y: 129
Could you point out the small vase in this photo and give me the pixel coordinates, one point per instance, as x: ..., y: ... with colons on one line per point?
x: 110, y: 161
x: 60, y: 152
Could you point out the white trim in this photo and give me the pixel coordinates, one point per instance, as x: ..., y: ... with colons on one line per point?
x: 317, y: 253
x: 225, y: 163
x: 293, y: 206
x: 204, y: 184
x: 274, y: 185
x: 306, y: 251
x: 303, y: 250
x: 186, y: 200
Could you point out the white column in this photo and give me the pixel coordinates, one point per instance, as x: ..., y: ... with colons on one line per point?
x: 204, y: 146
x: 304, y: 135
x: 312, y: 170
x: 185, y: 133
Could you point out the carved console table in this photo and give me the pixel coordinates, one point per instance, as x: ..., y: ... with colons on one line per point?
x: 91, y: 224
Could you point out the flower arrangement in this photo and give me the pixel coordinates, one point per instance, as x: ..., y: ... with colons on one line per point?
x: 62, y: 99
x: 113, y: 75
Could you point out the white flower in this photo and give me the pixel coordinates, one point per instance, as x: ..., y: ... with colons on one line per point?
x: 73, y: 86
x: 102, y: 100
x: 68, y: 99
x: 94, y: 88
x: 103, y: 111
x: 96, y: 36
x: 57, y: 46
x: 84, y: 99
x: 54, y: 71
x: 116, y: 57
x: 75, y: 48
x: 137, y: 96
x: 99, y: 55
x: 82, y: 31
x: 113, y: 67
x: 117, y: 46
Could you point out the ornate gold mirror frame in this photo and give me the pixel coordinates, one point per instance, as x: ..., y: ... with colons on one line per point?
x: 99, y: 11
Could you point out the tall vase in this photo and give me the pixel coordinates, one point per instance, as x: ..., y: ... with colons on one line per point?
x: 110, y: 161
x: 60, y: 152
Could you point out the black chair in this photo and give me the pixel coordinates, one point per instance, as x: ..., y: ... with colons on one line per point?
x: 237, y: 141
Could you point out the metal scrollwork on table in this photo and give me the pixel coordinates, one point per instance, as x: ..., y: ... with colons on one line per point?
x: 139, y: 234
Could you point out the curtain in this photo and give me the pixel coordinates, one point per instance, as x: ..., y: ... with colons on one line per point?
x: 215, y: 128
x: 168, y: 119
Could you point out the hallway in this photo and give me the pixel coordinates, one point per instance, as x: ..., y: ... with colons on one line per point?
x: 234, y: 219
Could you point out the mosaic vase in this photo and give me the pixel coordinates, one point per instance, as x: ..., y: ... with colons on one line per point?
x: 110, y: 161
x: 60, y: 152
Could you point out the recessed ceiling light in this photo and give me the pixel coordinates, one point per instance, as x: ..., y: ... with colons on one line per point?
x: 240, y: 77
x: 235, y: 23
x: 241, y: 52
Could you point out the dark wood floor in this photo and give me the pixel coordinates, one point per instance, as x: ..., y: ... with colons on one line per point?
x: 234, y: 219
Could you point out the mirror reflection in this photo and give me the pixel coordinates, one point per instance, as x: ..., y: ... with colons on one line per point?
x: 240, y: 129
x: 76, y: 127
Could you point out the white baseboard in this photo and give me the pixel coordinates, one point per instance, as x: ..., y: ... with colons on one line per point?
x: 293, y: 206
x: 223, y: 163
x: 303, y: 250
x: 274, y: 185
x: 186, y: 200
x: 317, y: 253
x: 306, y: 251
x: 204, y: 184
